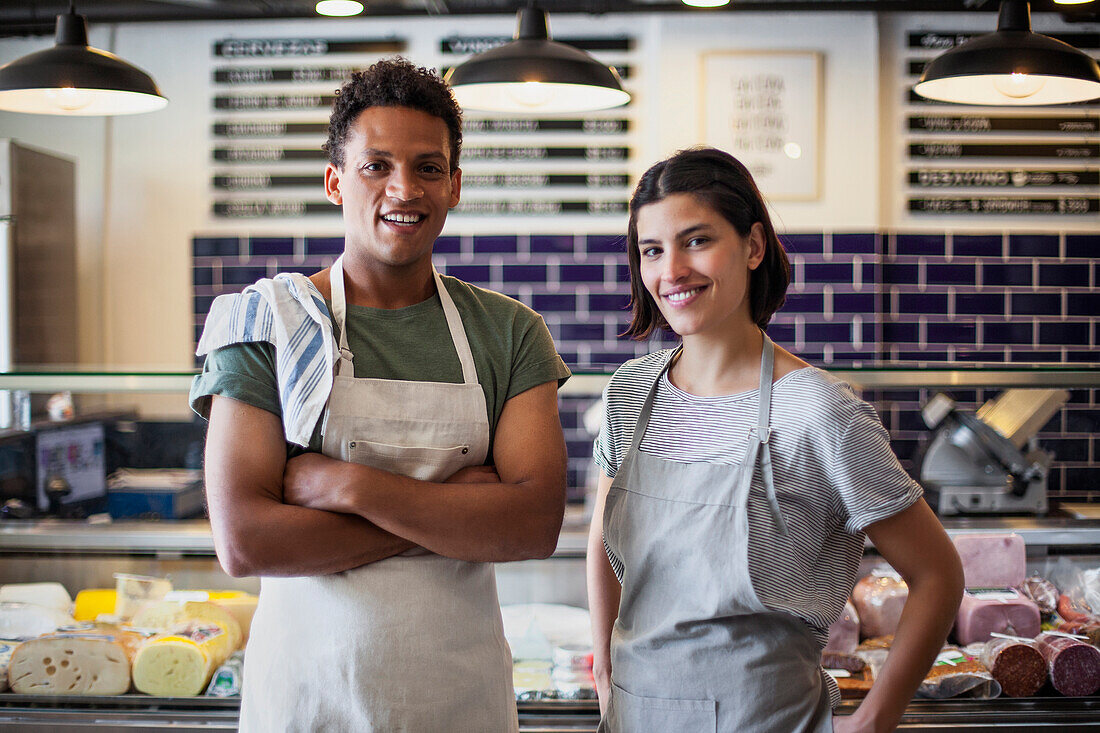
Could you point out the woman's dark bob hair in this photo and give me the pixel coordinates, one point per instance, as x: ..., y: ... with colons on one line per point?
x: 721, y: 181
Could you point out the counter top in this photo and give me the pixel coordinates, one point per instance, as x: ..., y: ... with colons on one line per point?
x: 192, y: 537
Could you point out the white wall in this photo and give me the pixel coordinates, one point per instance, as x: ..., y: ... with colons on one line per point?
x: 142, y: 180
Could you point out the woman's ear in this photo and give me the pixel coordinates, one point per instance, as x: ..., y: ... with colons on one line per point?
x: 757, y: 245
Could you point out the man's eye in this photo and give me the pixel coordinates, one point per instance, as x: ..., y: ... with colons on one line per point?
x: 433, y: 170
x: 374, y: 167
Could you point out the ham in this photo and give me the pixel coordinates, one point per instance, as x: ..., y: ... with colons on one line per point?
x: 992, y: 560
x: 879, y: 599
x: 1004, y: 612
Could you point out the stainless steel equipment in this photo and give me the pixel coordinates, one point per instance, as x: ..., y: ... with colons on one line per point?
x: 989, y: 461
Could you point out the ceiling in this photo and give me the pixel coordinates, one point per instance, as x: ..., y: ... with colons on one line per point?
x: 36, y: 17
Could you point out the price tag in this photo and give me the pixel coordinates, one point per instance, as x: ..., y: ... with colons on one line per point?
x: 838, y: 673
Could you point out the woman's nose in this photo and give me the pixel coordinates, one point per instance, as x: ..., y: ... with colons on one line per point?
x: 675, y: 266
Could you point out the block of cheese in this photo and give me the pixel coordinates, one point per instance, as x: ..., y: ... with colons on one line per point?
x: 844, y: 633
x: 242, y: 607
x: 92, y: 662
x: 179, y: 663
x: 92, y: 603
x: 1005, y: 612
x: 166, y: 615
x: 992, y: 560
x: 49, y: 595
x: 879, y: 599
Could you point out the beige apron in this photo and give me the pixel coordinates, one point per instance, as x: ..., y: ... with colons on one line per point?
x: 412, y: 643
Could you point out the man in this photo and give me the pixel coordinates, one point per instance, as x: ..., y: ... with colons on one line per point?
x: 439, y: 450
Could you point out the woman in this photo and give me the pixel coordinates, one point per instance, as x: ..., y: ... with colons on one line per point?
x: 739, y: 482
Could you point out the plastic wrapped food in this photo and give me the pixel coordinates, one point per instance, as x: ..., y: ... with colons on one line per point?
x: 531, y: 680
x: 846, y: 662
x: 5, y: 658
x: 227, y: 679
x: 1005, y: 612
x: 90, y: 662
x: 879, y: 599
x: 48, y: 595
x: 1074, y: 666
x: 165, y: 615
x: 1042, y: 592
x: 1088, y: 629
x: 844, y: 633
x: 1016, y: 663
x: 992, y: 560
x: 180, y: 663
x: 957, y: 674
x: 21, y: 621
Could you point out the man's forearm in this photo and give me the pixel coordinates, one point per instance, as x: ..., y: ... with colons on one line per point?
x: 281, y: 540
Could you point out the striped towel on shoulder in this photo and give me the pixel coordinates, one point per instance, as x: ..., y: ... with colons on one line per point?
x: 288, y: 312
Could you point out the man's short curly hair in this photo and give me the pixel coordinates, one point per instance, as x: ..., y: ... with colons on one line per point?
x: 394, y: 82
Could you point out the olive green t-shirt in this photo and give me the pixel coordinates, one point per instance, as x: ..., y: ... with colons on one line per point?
x: 512, y: 348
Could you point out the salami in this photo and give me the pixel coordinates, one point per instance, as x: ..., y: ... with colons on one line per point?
x: 1017, y: 664
x: 1074, y: 666
x: 1042, y: 592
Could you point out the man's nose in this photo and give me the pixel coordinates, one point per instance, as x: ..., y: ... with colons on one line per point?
x: 403, y: 185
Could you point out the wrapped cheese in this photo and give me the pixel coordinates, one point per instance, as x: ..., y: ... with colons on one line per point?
x: 1074, y: 666
x: 180, y: 663
x: 242, y: 607
x: 91, y: 662
x: 1005, y: 612
x: 48, y: 595
x: 19, y: 621
x: 879, y: 599
x: 167, y: 615
x: 844, y: 633
x: 992, y: 560
x: 1016, y: 663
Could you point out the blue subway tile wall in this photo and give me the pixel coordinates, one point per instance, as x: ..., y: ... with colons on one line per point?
x: 856, y: 298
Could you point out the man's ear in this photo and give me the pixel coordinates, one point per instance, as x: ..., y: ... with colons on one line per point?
x: 757, y: 245
x: 456, y: 187
x: 332, y: 185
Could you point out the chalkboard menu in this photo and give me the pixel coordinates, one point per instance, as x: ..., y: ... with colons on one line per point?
x: 270, y: 102
x: 997, y: 161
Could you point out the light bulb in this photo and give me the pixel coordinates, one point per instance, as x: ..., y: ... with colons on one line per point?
x: 339, y: 8
x: 1018, y: 86
x: 793, y: 150
x: 530, y: 93
x: 69, y: 99
x: 706, y: 3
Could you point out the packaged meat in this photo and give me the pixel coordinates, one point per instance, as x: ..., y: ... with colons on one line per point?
x: 1006, y: 612
x: 1074, y: 666
x: 49, y: 595
x: 1042, y: 592
x: 181, y: 662
x: 992, y: 560
x: 88, y: 662
x: 846, y: 662
x: 879, y: 599
x: 1071, y: 610
x: 1088, y: 629
x: 844, y: 633
x: 1016, y: 663
x: 957, y: 674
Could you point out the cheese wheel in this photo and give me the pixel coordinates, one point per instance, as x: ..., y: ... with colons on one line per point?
x: 180, y: 663
x: 166, y: 615
x: 84, y: 663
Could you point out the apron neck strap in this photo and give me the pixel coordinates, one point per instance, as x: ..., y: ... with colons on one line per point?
x: 767, y: 368
x: 454, y: 323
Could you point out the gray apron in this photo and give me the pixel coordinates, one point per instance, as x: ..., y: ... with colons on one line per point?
x: 693, y: 648
x: 412, y: 643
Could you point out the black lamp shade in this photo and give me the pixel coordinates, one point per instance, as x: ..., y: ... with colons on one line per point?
x: 1011, y: 67
x: 72, y: 78
x: 535, y: 74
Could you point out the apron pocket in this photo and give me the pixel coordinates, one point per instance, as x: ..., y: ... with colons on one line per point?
x: 633, y: 713
x: 420, y: 462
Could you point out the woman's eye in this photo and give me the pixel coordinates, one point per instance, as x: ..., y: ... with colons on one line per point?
x: 650, y: 251
x: 697, y: 241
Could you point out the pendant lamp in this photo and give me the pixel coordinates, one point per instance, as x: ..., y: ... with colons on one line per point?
x: 535, y: 74
x: 72, y: 78
x: 1011, y: 67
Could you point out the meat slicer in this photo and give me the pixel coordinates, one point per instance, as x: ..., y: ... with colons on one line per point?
x: 988, y: 461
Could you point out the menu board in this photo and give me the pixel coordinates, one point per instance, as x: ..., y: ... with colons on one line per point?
x: 546, y: 165
x: 270, y: 103
x: 1020, y: 160
x: 271, y: 99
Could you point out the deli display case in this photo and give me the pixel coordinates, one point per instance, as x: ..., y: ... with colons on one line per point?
x: 79, y: 554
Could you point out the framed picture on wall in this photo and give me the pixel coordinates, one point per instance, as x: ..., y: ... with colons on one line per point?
x: 764, y: 107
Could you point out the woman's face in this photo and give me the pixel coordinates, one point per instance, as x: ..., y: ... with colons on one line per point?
x: 695, y: 265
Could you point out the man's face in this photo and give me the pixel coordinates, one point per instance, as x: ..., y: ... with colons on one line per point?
x: 395, y: 186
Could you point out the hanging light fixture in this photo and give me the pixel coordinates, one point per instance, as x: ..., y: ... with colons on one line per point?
x: 72, y: 78
x: 1011, y: 67
x: 535, y: 74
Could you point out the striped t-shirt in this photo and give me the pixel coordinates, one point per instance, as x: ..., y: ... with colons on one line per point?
x: 834, y: 474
